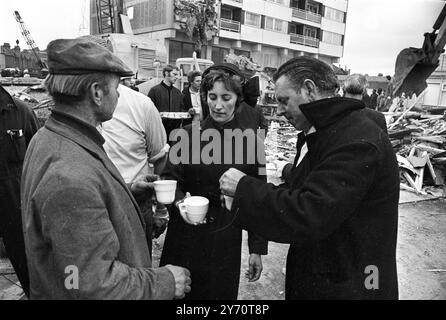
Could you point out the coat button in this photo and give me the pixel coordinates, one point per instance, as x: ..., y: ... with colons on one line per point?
x: 211, y: 219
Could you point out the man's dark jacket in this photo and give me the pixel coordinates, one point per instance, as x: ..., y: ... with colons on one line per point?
x: 18, y: 124
x: 338, y: 208
x: 167, y: 99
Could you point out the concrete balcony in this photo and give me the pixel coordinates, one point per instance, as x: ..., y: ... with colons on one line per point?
x: 234, y: 3
x: 229, y: 25
x: 303, y: 40
x: 306, y: 15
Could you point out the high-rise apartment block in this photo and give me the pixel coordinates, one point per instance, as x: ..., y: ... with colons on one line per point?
x: 267, y: 31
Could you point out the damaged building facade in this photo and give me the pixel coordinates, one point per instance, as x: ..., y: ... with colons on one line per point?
x: 269, y: 32
x: 16, y: 58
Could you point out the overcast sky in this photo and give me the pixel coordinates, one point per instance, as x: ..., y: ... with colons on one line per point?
x: 376, y: 29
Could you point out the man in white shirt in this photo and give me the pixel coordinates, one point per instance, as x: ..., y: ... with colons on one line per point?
x: 192, y: 98
x: 135, y: 140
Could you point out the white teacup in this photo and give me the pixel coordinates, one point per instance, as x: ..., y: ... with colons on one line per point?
x: 194, y: 209
x: 228, y: 202
x: 165, y: 191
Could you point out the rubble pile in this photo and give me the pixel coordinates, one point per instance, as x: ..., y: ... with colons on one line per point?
x: 419, y: 140
x: 280, y: 143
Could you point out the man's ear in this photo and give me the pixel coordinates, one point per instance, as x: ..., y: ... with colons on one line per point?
x: 96, y: 93
x: 311, y: 89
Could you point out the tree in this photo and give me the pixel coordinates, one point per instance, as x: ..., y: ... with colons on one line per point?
x: 198, y: 19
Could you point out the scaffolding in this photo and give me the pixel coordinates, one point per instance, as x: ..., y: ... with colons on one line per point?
x: 106, y: 16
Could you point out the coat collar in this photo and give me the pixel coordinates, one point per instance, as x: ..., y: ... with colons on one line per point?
x: 324, y: 112
x: 65, y: 129
x: 80, y: 126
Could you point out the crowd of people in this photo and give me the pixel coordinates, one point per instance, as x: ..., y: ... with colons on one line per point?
x: 79, y: 212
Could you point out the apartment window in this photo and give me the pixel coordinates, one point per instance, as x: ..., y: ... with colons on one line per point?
x: 269, y: 23
x: 310, y: 32
x: 275, y: 25
x: 179, y: 49
x: 252, y: 19
x: 332, y: 38
x: 312, y: 7
x: 280, y: 26
x: 226, y: 13
x: 334, y: 14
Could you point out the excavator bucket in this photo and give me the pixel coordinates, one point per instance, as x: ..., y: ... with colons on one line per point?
x: 414, y: 65
x: 411, y: 71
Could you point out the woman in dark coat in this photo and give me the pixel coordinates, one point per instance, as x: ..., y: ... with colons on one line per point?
x: 212, y: 251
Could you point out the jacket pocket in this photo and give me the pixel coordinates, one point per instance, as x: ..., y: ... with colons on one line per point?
x: 17, y: 150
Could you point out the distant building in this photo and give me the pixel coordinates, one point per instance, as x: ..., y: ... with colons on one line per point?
x: 269, y: 32
x: 436, y: 86
x: 16, y: 58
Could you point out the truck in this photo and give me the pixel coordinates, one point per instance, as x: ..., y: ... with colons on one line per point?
x: 147, y: 58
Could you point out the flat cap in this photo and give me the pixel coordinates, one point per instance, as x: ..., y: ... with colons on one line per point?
x: 80, y: 56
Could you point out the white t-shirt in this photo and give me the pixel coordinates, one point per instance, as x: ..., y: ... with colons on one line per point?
x: 135, y: 135
x: 196, y: 103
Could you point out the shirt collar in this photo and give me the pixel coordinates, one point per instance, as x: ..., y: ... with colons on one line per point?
x: 166, y: 86
x: 310, y: 131
x: 79, y: 125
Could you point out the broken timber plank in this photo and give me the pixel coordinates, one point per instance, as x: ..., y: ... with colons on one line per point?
x: 433, y: 139
x: 410, y: 180
x: 407, y: 188
x: 404, y: 163
x: 413, y: 104
x: 434, y: 151
x: 419, y: 179
x: 432, y: 171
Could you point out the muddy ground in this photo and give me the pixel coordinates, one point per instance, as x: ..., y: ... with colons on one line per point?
x: 421, y: 257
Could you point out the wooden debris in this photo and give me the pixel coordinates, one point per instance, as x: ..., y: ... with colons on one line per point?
x: 419, y: 140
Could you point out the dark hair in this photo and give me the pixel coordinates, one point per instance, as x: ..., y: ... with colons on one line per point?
x: 230, y: 81
x: 192, y: 75
x: 169, y: 68
x: 300, y: 68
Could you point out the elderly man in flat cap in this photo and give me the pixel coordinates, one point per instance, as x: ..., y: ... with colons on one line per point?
x: 84, y: 234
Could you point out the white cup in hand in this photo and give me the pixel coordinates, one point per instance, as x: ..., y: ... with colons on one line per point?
x: 193, y: 210
x: 165, y: 191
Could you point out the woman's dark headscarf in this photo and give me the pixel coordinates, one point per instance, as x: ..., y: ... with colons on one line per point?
x: 250, y: 87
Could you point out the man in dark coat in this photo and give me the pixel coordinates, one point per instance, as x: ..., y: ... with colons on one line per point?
x: 373, y: 99
x: 167, y: 98
x: 18, y: 124
x: 339, y: 206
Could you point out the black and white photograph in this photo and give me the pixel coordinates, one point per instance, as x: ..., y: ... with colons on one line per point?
x: 226, y: 155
